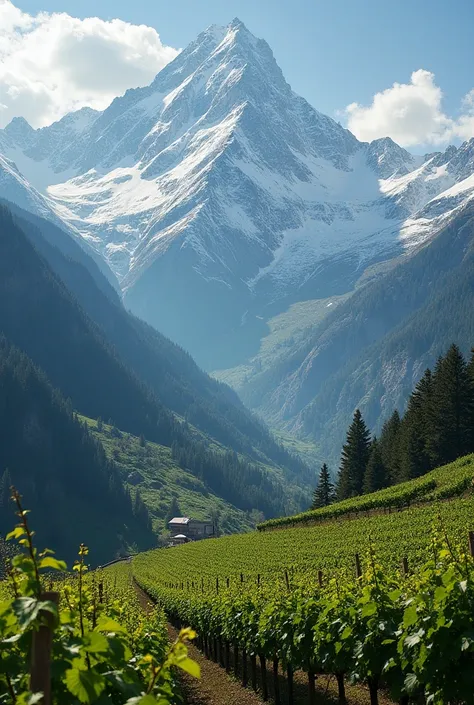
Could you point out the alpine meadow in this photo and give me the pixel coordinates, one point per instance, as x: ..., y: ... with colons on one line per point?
x: 236, y: 354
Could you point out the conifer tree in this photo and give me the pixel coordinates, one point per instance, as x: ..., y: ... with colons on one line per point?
x: 354, y: 459
x: 415, y: 433
x: 173, y: 511
x: 324, y: 494
x: 389, y: 443
x: 376, y: 476
x: 451, y: 417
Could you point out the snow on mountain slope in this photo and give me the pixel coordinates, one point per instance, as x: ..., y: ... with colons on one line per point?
x: 217, y: 191
x: 15, y: 189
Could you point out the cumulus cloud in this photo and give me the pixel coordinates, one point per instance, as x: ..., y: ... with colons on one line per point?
x: 51, y: 64
x: 411, y: 114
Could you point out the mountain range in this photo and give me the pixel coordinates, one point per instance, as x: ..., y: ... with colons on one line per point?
x: 259, y: 234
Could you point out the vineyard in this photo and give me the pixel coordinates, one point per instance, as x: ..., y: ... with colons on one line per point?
x: 442, y: 483
x: 81, y: 637
x: 384, y: 600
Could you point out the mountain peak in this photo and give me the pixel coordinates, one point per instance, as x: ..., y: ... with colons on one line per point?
x: 19, y: 130
x: 237, y: 24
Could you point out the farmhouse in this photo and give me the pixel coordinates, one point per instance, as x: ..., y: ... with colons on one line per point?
x: 186, y: 529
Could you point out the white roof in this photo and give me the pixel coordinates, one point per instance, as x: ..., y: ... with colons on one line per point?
x: 179, y: 520
x: 180, y: 536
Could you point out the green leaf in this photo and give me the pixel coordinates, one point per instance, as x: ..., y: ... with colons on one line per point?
x: 96, y: 643
x: 29, y: 698
x: 410, y: 616
x: 440, y: 593
x: 17, y: 532
x: 85, y: 685
x: 190, y: 666
x: 109, y: 625
x: 141, y: 700
x: 346, y: 633
x: 369, y: 609
x: 395, y: 595
x: 53, y: 563
x: 411, y: 683
x: 27, y: 609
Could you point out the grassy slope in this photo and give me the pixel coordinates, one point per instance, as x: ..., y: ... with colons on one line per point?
x: 163, y: 480
x: 286, y: 331
x: 324, y: 546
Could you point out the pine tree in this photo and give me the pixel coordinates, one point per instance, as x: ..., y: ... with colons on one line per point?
x: 415, y: 431
x: 324, y: 494
x: 376, y: 476
x: 451, y: 417
x: 173, y: 511
x: 354, y: 459
x: 390, y: 446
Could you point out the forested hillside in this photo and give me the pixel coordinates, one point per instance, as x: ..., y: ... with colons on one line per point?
x: 75, y: 492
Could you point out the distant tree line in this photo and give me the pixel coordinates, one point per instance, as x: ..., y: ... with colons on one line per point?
x: 242, y: 483
x: 436, y: 428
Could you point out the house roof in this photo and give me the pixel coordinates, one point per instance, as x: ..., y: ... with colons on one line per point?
x: 180, y: 536
x: 180, y: 520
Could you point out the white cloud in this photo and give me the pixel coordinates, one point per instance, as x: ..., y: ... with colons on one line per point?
x: 411, y: 114
x: 51, y: 64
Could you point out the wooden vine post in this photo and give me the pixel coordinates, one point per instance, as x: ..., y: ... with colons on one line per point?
x: 244, y: 667
x: 227, y: 656
x: 276, y: 683
x: 405, y: 570
x: 253, y: 670
x: 320, y: 578
x: 358, y: 567
x: 312, y: 687
x: 263, y: 673
x: 289, y: 678
x: 471, y: 543
x: 42, y: 642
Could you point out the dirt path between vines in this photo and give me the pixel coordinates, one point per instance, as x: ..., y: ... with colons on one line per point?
x: 217, y: 687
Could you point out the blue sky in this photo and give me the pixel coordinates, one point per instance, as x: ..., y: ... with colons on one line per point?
x: 335, y: 52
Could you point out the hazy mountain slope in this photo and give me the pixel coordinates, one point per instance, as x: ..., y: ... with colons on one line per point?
x: 43, y: 318
x: 43, y: 231
x: 17, y: 190
x: 168, y: 370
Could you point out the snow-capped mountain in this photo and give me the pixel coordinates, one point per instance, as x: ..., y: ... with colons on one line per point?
x: 216, y: 194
